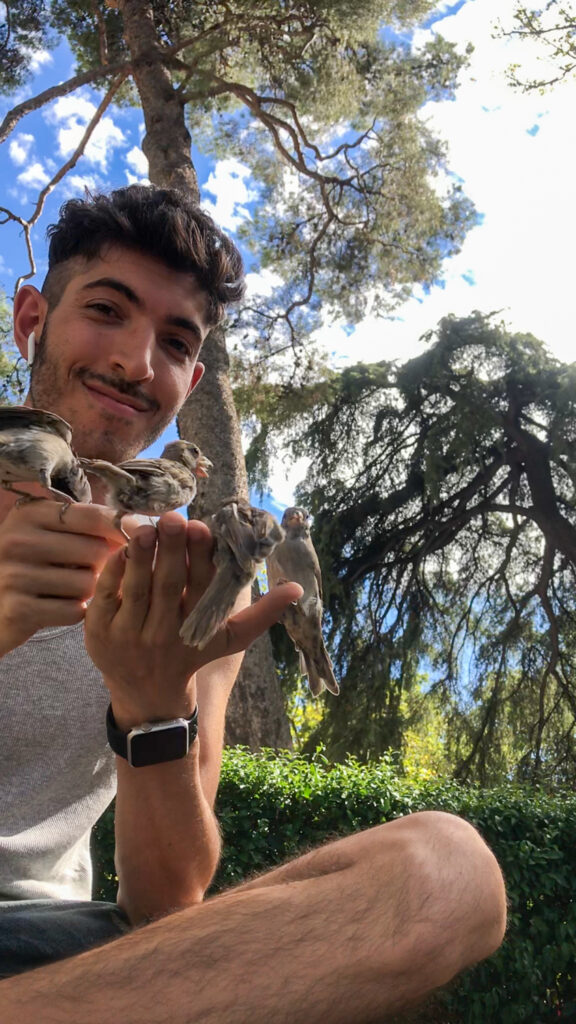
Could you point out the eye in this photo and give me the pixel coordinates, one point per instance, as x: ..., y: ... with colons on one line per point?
x: 179, y: 347
x: 104, y: 308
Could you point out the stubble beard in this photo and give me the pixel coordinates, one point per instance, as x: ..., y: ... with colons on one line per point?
x: 48, y: 391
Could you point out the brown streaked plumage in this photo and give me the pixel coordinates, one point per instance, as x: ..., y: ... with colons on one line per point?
x: 295, y: 559
x: 152, y: 486
x: 35, y: 446
x: 244, y: 537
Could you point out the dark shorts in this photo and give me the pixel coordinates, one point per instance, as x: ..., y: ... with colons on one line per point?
x: 37, y: 932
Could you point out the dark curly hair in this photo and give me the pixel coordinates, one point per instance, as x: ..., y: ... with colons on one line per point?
x: 162, y: 222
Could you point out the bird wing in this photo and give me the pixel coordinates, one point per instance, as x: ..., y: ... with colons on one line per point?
x: 312, y: 559
x: 19, y: 416
x: 296, y: 559
x: 147, y: 467
x: 274, y: 569
x: 107, y: 470
x: 318, y: 576
x: 232, y: 525
x: 267, y: 532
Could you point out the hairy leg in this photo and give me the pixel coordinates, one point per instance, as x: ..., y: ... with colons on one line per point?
x: 347, y: 934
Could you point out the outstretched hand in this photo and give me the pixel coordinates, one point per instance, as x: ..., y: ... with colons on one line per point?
x: 143, y: 595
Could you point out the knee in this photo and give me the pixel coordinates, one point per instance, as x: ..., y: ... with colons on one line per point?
x: 454, y: 889
x: 456, y: 852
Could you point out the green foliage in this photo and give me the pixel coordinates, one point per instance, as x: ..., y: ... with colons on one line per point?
x: 274, y: 806
x: 23, y: 32
x: 13, y: 375
x: 323, y: 106
x: 553, y: 27
x: 445, y: 521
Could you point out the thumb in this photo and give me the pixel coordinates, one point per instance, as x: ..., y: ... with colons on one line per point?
x: 242, y: 629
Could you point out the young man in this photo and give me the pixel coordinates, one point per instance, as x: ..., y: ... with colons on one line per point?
x: 352, y: 932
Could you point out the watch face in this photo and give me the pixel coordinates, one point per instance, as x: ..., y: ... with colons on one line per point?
x: 164, y: 744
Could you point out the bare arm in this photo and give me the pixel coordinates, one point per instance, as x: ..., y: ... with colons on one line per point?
x: 167, y: 839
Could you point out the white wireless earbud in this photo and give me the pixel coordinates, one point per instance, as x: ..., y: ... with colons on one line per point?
x: 31, y: 348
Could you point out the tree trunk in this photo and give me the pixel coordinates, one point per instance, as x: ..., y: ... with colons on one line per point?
x: 167, y: 141
x: 256, y: 715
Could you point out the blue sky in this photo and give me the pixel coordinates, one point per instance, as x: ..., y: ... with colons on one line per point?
x: 514, y: 152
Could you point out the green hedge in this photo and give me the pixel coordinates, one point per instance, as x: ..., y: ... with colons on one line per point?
x: 272, y: 806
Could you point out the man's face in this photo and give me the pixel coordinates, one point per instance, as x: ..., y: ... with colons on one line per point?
x: 118, y: 355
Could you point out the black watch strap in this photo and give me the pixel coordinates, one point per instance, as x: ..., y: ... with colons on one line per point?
x: 152, y: 742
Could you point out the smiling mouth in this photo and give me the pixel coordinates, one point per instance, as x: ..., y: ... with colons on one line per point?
x: 119, y: 404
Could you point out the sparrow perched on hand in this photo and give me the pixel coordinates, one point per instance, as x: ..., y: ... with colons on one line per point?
x: 152, y: 486
x: 295, y: 559
x: 35, y: 446
x: 244, y: 536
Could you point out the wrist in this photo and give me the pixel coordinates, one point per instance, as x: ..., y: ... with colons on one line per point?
x: 131, y: 710
x: 153, y: 743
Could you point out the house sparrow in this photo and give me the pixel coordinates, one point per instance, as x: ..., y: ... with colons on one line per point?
x: 152, y: 486
x: 244, y: 536
x: 35, y: 446
x: 295, y: 559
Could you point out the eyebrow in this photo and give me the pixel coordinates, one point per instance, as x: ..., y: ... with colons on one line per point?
x: 135, y: 300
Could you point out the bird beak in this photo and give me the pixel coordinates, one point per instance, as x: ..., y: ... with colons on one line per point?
x: 203, y: 465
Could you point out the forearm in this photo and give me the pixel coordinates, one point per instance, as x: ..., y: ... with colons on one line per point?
x: 167, y: 837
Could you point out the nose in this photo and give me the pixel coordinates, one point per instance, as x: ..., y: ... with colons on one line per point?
x: 131, y: 355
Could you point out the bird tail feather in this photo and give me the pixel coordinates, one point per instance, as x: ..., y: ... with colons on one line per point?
x: 318, y: 668
x: 212, y: 610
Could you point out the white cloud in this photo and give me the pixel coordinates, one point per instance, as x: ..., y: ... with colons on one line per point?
x: 515, y: 152
x: 262, y: 283
x: 20, y: 147
x: 37, y: 59
x: 78, y: 184
x: 516, y: 260
x: 285, y: 475
x: 34, y: 176
x: 228, y: 183
x: 135, y: 179
x: 71, y: 114
x: 138, y: 166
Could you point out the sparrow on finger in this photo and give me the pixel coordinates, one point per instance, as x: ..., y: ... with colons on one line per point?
x: 295, y: 559
x: 36, y: 446
x: 244, y: 537
x: 152, y: 486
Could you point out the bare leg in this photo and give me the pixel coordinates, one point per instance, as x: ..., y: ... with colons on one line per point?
x: 348, y: 934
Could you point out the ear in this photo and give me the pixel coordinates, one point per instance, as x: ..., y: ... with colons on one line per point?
x: 30, y: 310
x: 197, y: 374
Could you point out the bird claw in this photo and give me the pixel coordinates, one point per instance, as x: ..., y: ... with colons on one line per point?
x: 63, y: 510
x: 118, y: 525
x: 25, y: 498
x: 278, y: 583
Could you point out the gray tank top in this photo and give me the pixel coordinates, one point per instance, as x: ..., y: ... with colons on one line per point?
x: 57, y: 773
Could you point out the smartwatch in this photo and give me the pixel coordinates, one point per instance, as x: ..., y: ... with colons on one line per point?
x: 153, y: 742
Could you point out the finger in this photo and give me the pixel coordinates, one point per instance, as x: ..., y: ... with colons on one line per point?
x: 243, y: 629
x: 41, y: 547
x: 137, y: 581
x: 49, y: 611
x: 169, y: 577
x: 49, y: 581
x: 201, y: 568
x: 93, y: 520
x: 108, y: 594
